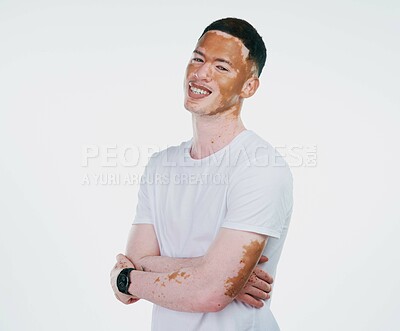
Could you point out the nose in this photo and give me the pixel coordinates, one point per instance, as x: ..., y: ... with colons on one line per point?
x: 203, y: 72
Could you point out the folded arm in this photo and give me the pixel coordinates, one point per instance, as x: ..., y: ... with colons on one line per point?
x: 143, y: 250
x: 208, y: 283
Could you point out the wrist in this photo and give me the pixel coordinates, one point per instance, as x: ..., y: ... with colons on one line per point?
x: 124, y: 280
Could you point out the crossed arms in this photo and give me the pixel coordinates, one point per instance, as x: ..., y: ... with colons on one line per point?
x: 202, y: 284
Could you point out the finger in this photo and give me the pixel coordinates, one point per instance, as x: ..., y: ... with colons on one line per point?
x: 125, y: 299
x: 126, y: 258
x: 256, y: 293
x: 118, y: 298
x: 246, y: 298
x: 120, y: 257
x: 265, y: 276
x: 263, y: 259
x: 133, y: 300
x: 252, y: 279
x: 259, y: 283
x: 123, y: 261
x: 129, y: 262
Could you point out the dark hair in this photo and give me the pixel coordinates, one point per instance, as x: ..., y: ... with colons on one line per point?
x: 247, y: 34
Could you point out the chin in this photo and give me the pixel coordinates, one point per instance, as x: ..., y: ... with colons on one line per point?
x: 198, y: 107
x: 194, y: 110
x: 191, y: 107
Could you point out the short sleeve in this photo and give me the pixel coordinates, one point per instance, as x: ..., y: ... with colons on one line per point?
x: 260, y: 199
x: 144, y: 213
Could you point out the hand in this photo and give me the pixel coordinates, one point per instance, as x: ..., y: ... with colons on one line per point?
x: 122, y: 263
x: 257, y: 287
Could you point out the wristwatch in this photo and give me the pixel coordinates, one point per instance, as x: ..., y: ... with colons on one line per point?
x: 124, y: 280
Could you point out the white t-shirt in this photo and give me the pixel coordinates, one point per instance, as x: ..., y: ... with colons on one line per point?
x: 244, y: 186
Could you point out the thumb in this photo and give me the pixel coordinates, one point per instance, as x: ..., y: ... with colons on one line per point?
x: 120, y: 257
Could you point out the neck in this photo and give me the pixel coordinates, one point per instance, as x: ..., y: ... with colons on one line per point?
x: 212, y: 133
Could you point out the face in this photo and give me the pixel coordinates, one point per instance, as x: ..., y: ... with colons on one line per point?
x: 219, y: 75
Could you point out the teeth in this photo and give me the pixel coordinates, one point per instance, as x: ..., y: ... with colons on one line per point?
x: 198, y: 91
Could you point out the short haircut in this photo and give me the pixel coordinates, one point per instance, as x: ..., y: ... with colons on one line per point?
x: 249, y: 36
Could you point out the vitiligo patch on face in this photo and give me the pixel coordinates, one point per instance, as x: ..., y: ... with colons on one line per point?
x: 245, y: 50
x: 218, y: 49
x: 251, y: 254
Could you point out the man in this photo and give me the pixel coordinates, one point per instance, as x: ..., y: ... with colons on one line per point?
x: 210, y: 208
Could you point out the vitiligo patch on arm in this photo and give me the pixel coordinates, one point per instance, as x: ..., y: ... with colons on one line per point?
x: 251, y: 254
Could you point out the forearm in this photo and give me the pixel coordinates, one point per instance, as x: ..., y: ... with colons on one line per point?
x: 201, y: 284
x: 143, y: 250
x: 183, y: 290
x: 166, y: 264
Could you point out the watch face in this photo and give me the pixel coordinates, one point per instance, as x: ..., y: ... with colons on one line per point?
x: 122, y: 281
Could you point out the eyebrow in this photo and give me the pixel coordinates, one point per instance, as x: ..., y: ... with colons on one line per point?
x: 218, y: 59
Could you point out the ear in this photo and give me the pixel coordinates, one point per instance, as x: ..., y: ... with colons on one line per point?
x: 250, y: 87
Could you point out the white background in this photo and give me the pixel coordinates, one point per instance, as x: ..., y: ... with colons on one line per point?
x: 103, y: 73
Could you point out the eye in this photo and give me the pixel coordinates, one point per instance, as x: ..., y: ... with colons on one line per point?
x: 222, y: 68
x: 197, y: 59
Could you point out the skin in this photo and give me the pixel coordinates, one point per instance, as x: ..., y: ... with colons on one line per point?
x: 220, y: 67
x: 198, y: 288
x: 216, y: 118
x: 225, y: 70
x: 250, y: 252
x: 143, y: 252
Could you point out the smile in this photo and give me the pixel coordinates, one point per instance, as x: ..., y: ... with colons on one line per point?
x: 198, y: 89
